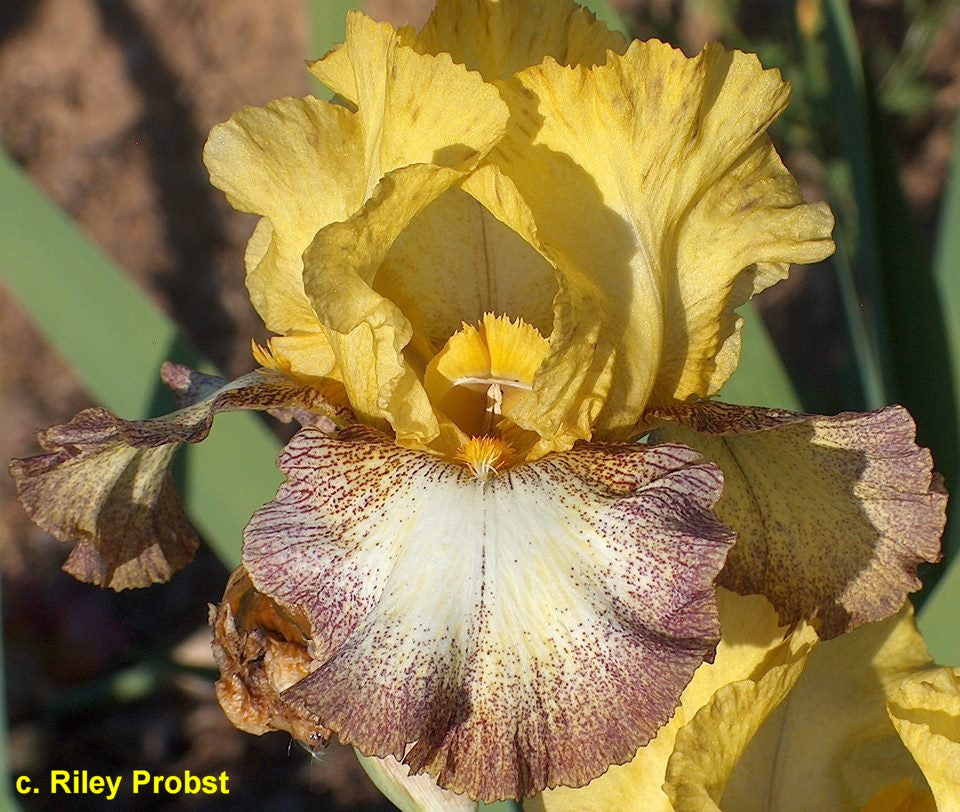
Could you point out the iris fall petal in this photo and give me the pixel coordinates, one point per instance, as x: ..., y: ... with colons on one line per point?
x: 104, y: 482
x: 833, y: 514
x: 469, y: 619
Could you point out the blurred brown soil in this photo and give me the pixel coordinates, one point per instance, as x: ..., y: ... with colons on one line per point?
x: 106, y: 104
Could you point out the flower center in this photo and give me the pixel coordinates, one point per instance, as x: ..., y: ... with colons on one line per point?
x: 482, y: 373
x: 486, y: 456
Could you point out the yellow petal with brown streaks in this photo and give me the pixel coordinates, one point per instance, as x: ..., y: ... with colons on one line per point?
x: 658, y: 194
x: 833, y: 514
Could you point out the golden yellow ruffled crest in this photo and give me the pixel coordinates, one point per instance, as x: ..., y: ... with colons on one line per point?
x: 621, y: 202
x: 483, y: 372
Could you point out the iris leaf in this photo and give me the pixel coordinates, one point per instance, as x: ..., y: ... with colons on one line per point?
x: 938, y: 618
x: 115, y: 339
x: 857, y: 234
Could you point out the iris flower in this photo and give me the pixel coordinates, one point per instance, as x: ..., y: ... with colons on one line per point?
x: 511, y: 249
x: 784, y: 721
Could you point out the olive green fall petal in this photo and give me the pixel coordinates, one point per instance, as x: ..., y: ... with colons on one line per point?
x: 925, y: 709
x: 833, y: 514
x: 657, y: 228
x: 751, y: 641
x: 827, y: 746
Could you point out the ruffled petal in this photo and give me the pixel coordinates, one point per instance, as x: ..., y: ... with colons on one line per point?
x: 303, y: 164
x: 683, y: 213
x: 367, y: 332
x: 751, y: 643
x: 482, y: 372
x: 497, y: 39
x: 825, y: 744
x: 499, y: 693
x: 833, y: 514
x: 516, y: 35
x: 298, y: 163
x: 104, y: 482
x: 404, y: 100
x: 925, y: 709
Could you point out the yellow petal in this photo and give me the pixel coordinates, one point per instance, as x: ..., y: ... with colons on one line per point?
x: 572, y: 381
x: 833, y: 513
x: 456, y: 261
x: 299, y: 164
x: 481, y: 374
x: 656, y: 190
x: 502, y: 693
x: 903, y: 796
x: 303, y: 355
x: 825, y: 744
x: 304, y: 164
x: 925, y: 709
x: 366, y: 331
x: 404, y: 101
x: 751, y: 643
x: 494, y: 38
